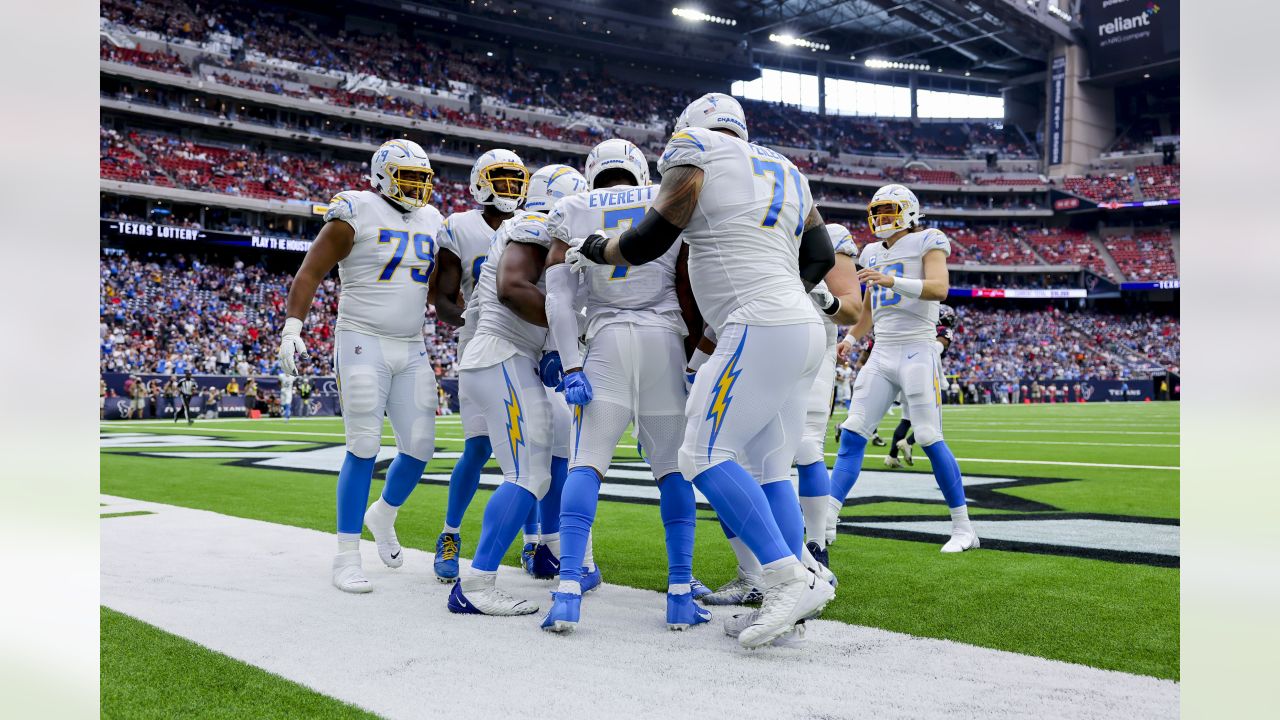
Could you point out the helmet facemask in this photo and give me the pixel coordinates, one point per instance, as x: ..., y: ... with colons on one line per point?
x: 507, y: 185
x: 411, y: 186
x: 886, y: 218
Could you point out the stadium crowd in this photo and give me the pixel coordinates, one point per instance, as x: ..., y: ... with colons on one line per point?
x: 170, y: 313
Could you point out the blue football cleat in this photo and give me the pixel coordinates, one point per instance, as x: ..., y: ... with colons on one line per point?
x: 820, y: 554
x: 698, y: 590
x: 458, y: 602
x: 526, y: 557
x: 545, y: 565
x: 683, y: 612
x: 566, y: 608
x: 448, y: 545
x: 590, y: 580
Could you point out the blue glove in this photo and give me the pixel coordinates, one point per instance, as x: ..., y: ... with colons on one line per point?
x: 577, y: 388
x: 550, y: 371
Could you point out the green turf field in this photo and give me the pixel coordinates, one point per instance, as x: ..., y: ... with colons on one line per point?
x: 1098, y: 464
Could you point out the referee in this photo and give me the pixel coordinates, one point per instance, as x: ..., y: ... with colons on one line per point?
x: 187, y: 389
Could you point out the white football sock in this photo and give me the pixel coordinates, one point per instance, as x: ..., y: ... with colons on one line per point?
x: 588, y: 557
x: 746, y: 559
x: 348, y: 542
x: 814, y: 510
x: 530, y: 538
x: 679, y: 589
x: 381, y: 507
x: 573, y: 587
x: 552, y: 541
x: 449, y: 530
x: 960, y: 519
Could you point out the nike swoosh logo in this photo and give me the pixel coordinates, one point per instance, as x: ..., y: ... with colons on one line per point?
x: 395, y: 555
x: 424, y: 352
x: 463, y: 603
x: 912, y: 355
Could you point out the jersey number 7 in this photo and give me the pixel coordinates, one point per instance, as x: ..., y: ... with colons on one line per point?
x: 760, y: 167
x: 424, y: 246
x: 613, y: 220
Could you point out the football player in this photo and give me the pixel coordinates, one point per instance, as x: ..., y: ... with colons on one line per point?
x: 286, y: 395
x: 906, y: 278
x: 500, y: 376
x: 746, y: 213
x: 384, y: 244
x: 636, y: 321
x: 903, y: 438
x: 499, y: 181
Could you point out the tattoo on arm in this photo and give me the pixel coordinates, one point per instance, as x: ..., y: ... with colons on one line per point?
x: 676, y: 201
x: 813, y: 219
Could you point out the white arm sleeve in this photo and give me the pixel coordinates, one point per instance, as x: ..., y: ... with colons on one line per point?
x: 562, y: 287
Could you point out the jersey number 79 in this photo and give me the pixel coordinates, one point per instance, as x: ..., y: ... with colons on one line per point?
x: 424, y: 246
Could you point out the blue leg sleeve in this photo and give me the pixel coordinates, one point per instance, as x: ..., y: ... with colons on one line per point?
x: 742, y: 505
x: 848, y: 464
x: 677, y: 506
x: 402, y: 478
x: 786, y: 512
x: 549, y: 505
x: 815, y: 481
x: 465, y: 478
x: 577, y: 514
x: 354, y: 480
x: 728, y: 534
x: 502, y: 516
x: 947, y: 472
x: 531, y: 525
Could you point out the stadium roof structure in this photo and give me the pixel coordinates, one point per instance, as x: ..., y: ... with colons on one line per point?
x: 995, y: 39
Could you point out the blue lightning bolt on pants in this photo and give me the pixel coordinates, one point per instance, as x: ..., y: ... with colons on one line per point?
x: 743, y: 423
x: 517, y: 414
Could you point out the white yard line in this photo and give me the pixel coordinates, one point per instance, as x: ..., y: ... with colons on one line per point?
x: 921, y: 457
x: 259, y: 592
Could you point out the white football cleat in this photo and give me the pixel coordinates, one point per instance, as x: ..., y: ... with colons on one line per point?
x: 479, y: 595
x: 797, y: 594
x: 348, y: 576
x: 904, y: 447
x: 734, y: 626
x: 891, y: 462
x: 739, y: 591
x: 960, y: 541
x: 380, y: 518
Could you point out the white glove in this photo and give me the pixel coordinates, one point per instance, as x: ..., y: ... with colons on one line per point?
x: 824, y: 299
x: 574, y: 258
x: 291, y: 346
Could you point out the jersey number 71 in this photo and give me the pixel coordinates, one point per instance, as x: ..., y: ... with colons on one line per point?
x: 760, y: 167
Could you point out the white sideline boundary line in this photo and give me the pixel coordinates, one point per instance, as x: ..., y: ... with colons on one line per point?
x: 259, y: 592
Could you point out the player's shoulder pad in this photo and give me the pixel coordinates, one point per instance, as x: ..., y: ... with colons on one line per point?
x: 689, y: 146
x: 935, y: 239
x: 531, y: 228
x: 557, y: 219
x: 343, y: 207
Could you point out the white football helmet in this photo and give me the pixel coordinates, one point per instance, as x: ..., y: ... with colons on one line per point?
x: 499, y: 178
x: 892, y: 209
x: 714, y: 110
x: 617, y: 153
x: 550, y: 184
x: 401, y: 171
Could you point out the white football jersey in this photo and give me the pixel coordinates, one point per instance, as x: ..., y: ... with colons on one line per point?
x: 898, y: 319
x: 500, y: 333
x: 468, y: 236
x: 643, y: 294
x: 384, y: 279
x: 842, y: 246
x: 744, y: 237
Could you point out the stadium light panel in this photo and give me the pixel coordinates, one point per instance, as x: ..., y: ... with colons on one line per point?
x: 793, y: 41
x: 880, y: 64
x: 693, y: 15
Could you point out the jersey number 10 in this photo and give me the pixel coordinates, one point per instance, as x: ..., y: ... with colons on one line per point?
x: 424, y: 246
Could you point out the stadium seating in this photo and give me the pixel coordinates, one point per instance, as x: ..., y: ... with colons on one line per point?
x: 1067, y: 247
x: 1154, y: 182
x: 1145, y: 255
x: 992, y: 246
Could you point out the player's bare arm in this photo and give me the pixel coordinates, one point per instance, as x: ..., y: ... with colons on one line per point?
x: 518, y: 272
x: 842, y: 283
x: 332, y: 244
x: 688, y: 304
x: 936, y: 281
x: 445, y: 288
x: 653, y: 236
